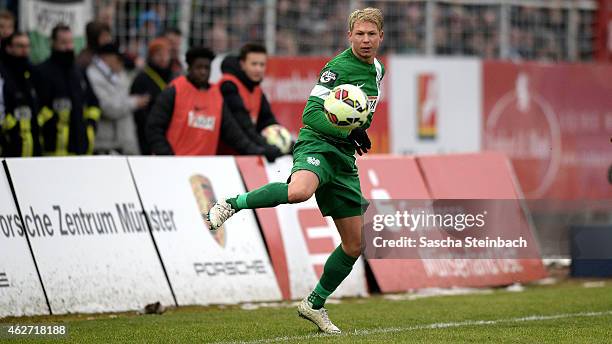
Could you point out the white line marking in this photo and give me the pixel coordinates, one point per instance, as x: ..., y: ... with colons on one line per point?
x: 428, y: 327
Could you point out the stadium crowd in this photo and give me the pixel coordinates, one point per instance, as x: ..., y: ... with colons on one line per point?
x: 98, y: 101
x: 316, y: 27
x: 89, y: 104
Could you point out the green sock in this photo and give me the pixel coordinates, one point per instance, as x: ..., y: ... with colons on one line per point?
x: 337, y: 267
x: 269, y: 195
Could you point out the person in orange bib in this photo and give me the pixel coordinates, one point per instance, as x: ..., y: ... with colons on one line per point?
x: 240, y: 86
x: 189, y: 117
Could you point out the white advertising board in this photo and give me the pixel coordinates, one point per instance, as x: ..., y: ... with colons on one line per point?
x: 435, y: 105
x: 308, y: 239
x: 92, y: 247
x: 20, y: 289
x: 228, y: 266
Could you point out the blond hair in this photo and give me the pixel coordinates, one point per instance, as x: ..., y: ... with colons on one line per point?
x: 370, y: 14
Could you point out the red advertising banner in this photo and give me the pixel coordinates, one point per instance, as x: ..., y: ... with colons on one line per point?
x: 484, y: 176
x: 298, y: 237
x: 254, y: 178
x: 476, y: 176
x: 288, y: 83
x: 392, y: 177
x: 554, y: 122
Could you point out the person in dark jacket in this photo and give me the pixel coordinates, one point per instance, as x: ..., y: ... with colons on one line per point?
x: 69, y: 107
x: 190, y: 116
x: 175, y: 37
x: 240, y: 86
x: 20, y: 129
x: 151, y: 80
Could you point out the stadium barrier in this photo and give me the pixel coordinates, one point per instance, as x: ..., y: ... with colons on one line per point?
x: 114, y: 233
x: 83, y: 220
x: 228, y: 266
x: 20, y: 290
x: 299, y: 239
x: 485, y: 176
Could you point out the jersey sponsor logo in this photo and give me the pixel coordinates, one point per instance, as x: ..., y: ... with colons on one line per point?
x: 328, y: 76
x: 313, y: 161
x: 199, y: 120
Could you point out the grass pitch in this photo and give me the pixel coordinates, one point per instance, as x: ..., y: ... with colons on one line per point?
x: 563, y: 313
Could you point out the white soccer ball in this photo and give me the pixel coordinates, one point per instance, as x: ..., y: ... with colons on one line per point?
x: 278, y: 136
x: 346, y: 107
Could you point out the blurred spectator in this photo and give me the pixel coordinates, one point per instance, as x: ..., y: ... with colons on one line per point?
x: 286, y: 43
x: 97, y: 35
x: 151, y: 80
x: 20, y: 128
x: 219, y: 37
x: 189, y: 116
x: 69, y: 107
x: 116, y: 129
x: 175, y: 36
x: 240, y: 86
x: 7, y: 24
x: 318, y: 27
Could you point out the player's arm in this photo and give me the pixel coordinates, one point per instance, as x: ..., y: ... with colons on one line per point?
x: 314, y: 113
x: 371, y: 114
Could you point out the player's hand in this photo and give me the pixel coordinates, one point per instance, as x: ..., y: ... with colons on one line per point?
x: 360, y: 140
x: 272, y: 153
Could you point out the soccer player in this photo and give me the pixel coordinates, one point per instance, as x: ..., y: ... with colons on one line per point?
x: 324, y: 162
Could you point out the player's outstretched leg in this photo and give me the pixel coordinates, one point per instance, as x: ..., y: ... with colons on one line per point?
x: 337, y: 267
x: 302, y: 186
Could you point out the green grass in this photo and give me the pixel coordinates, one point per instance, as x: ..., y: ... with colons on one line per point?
x: 370, y: 320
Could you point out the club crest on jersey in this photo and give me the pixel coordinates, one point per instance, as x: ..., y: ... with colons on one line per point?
x: 328, y: 76
x: 313, y: 161
x: 372, y: 102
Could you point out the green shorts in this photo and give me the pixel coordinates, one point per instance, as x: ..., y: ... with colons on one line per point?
x: 339, y: 193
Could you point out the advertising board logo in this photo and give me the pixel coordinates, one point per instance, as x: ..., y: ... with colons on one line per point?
x: 524, y: 125
x: 320, y: 236
x: 427, y: 106
x: 205, y: 197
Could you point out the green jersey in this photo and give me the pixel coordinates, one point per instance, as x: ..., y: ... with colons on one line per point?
x: 345, y: 68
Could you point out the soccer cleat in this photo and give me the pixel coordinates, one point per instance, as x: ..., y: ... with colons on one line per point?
x: 219, y: 213
x: 318, y: 316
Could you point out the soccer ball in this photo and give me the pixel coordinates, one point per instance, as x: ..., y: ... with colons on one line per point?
x: 278, y: 136
x: 346, y: 106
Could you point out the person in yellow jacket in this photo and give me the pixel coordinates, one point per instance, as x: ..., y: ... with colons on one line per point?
x: 69, y: 107
x: 20, y: 130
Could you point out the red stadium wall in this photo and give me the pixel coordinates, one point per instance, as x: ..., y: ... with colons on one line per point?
x: 554, y: 122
